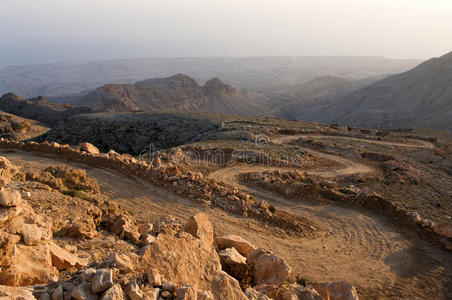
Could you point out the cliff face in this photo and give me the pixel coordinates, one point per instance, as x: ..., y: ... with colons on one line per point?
x: 176, y: 93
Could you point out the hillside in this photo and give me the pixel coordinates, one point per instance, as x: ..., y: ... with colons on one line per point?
x: 421, y: 98
x: 39, y: 109
x: 176, y: 93
x: 14, y: 127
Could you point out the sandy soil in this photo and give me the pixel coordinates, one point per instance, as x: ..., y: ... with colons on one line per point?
x: 382, y: 260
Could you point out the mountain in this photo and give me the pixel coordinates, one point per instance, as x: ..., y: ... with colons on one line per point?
x: 176, y: 93
x: 39, y: 109
x: 317, y: 92
x: 64, y: 80
x: 421, y: 97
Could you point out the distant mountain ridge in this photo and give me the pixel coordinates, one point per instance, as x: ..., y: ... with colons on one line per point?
x: 175, y: 93
x: 64, y: 80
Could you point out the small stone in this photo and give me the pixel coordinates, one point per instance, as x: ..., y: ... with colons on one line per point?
x: 169, y: 286
x: 31, y: 234
x: 83, y: 292
x: 186, y: 293
x: 124, y: 261
x: 134, y: 292
x: 145, y: 228
x: 113, y: 293
x: 62, y: 259
x: 87, y: 274
x: 44, y: 296
x: 58, y: 293
x: 154, y: 277
x: 200, y: 227
x: 102, y: 281
x: 166, y: 295
x: 152, y: 294
x: 147, y: 239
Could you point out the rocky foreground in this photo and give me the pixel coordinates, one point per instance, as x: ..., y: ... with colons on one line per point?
x: 167, y: 260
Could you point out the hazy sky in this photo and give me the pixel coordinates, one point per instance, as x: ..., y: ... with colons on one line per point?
x: 37, y: 31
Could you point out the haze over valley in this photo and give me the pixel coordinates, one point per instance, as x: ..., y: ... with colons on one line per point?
x: 212, y: 150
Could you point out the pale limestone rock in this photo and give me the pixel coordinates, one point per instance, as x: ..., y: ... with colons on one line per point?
x: 340, y: 290
x: 124, y: 261
x: 113, y: 293
x: 90, y: 148
x: 29, y: 265
x: 240, y: 244
x: 154, y: 277
x: 83, y: 292
x: 200, y: 227
x: 9, y: 197
x: 133, y: 291
x: 63, y: 259
x: 102, y: 281
x: 31, y: 234
x: 233, y: 263
x: 7, y: 171
x: 266, y: 267
x: 186, y: 293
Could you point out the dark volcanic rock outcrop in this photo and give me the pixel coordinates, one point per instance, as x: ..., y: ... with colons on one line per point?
x: 132, y: 132
x: 39, y: 109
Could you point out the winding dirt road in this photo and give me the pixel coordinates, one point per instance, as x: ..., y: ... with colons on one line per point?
x: 382, y: 260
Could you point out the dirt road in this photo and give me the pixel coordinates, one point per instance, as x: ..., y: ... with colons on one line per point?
x: 380, y: 259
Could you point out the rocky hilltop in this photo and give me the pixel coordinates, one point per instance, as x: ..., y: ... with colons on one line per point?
x: 39, y: 109
x: 176, y: 93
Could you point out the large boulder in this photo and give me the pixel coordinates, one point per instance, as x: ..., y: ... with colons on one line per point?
x: 13, y: 293
x: 29, y: 265
x: 113, y: 293
x: 25, y: 216
x: 31, y: 234
x: 63, y: 259
x: 233, y: 263
x: 7, y: 247
x: 90, y: 148
x: 7, y: 171
x: 200, y: 227
x: 267, y: 268
x: 125, y: 228
x: 234, y: 241
x: 9, y: 197
x: 184, y: 257
x: 339, y: 290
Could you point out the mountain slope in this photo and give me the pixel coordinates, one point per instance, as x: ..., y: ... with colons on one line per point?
x: 176, y: 93
x: 420, y: 97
